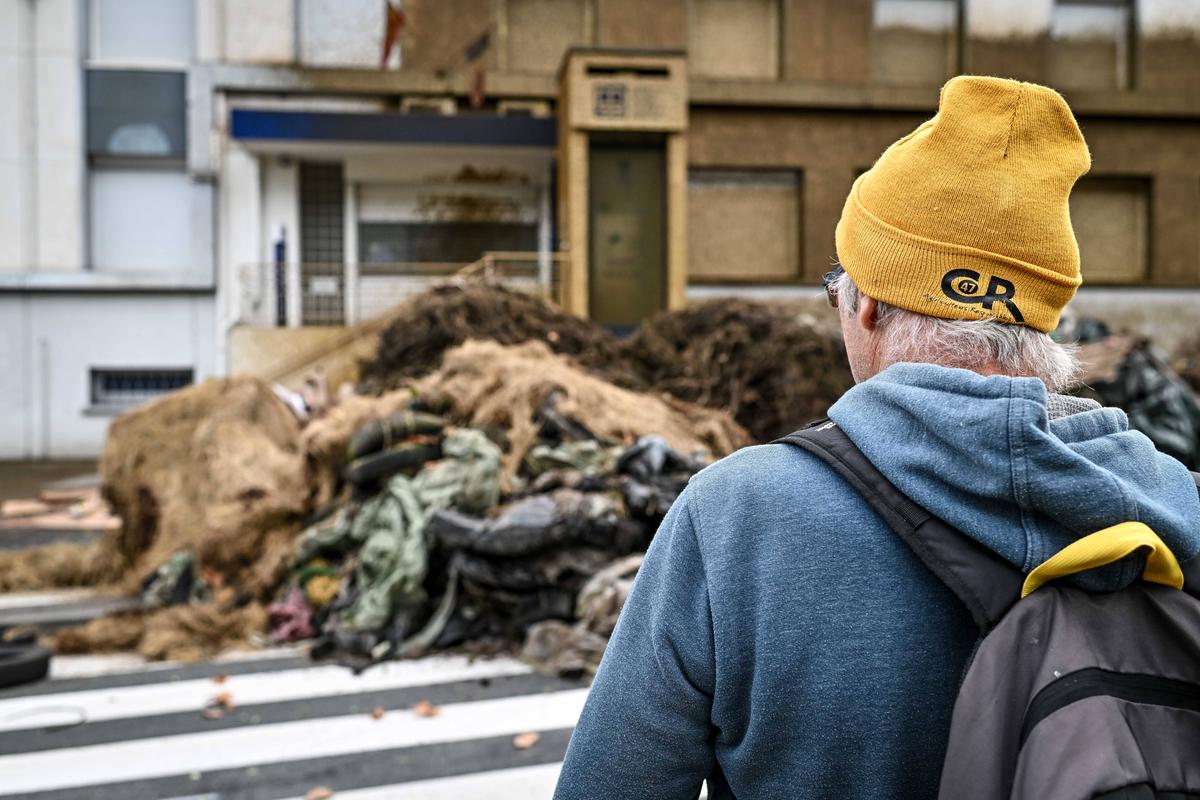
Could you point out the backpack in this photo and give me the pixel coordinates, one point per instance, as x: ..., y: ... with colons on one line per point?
x: 1068, y: 694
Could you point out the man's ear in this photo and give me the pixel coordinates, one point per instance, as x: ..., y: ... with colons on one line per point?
x: 867, y: 313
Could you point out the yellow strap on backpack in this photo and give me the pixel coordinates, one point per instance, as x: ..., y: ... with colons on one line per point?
x: 1105, y: 547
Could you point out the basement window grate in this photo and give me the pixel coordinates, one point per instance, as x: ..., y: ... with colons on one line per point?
x: 122, y: 388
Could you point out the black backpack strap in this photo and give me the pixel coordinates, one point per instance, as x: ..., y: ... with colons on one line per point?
x: 986, y: 584
x: 1191, y: 569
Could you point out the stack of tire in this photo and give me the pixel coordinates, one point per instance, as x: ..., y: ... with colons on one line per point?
x: 384, y: 447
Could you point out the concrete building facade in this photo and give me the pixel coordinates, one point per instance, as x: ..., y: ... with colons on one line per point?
x: 181, y: 174
x: 107, y: 268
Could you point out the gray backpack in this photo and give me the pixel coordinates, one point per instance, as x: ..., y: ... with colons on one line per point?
x: 1069, y: 694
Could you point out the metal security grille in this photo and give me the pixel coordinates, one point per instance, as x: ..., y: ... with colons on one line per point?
x: 129, y: 387
x: 322, y: 252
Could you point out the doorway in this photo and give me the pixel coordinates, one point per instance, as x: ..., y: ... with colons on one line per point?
x: 627, y: 279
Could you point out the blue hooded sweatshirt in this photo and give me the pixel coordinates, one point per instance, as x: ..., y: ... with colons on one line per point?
x: 782, y: 642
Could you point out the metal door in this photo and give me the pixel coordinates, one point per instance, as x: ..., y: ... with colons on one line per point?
x: 627, y: 279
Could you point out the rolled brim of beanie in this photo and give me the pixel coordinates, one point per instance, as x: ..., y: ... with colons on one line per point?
x: 942, y: 279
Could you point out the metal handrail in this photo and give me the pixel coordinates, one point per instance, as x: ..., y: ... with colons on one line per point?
x: 490, y: 266
x: 523, y: 269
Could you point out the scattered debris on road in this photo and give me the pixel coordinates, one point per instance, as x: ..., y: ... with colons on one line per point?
x: 424, y: 708
x: 524, y: 741
x: 218, y: 706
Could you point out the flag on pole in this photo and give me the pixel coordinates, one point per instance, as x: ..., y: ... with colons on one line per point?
x: 477, y: 87
x: 472, y: 53
x: 394, y: 23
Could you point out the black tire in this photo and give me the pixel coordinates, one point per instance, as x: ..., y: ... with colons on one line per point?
x: 377, y: 434
x: 377, y: 467
x: 22, y: 663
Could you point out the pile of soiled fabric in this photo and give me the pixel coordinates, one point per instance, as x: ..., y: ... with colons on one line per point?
x: 427, y: 552
x: 456, y: 512
x: 483, y: 500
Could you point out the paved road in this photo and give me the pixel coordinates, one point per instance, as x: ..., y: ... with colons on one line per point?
x: 110, y: 728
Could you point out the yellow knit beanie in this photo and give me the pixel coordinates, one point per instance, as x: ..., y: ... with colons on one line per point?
x: 966, y: 217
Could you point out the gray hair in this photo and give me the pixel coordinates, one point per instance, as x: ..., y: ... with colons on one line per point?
x: 967, y: 344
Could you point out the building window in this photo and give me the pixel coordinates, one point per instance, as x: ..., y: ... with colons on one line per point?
x: 1092, y: 45
x: 407, y: 230
x: 734, y: 38
x: 136, y: 114
x: 120, y: 389
x: 144, y: 210
x: 744, y: 225
x: 1111, y: 218
x: 142, y: 218
x: 915, y: 42
x: 141, y: 32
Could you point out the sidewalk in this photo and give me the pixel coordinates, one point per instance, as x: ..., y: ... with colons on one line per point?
x: 20, y: 479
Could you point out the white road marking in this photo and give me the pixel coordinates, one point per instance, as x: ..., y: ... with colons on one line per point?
x: 526, y: 782
x: 94, y: 666
x: 285, y: 742
x: 96, y: 705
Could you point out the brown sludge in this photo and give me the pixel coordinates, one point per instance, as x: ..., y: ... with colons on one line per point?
x: 448, y: 315
x: 769, y: 367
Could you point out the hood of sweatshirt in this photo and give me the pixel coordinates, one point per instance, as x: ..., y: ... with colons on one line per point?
x: 982, y: 454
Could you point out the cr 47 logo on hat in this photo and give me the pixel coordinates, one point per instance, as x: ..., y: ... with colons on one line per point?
x: 965, y: 286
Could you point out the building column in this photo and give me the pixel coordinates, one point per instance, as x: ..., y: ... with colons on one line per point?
x: 350, y: 285
x: 545, y: 246
x: 677, y: 263
x: 241, y: 243
x: 281, y: 222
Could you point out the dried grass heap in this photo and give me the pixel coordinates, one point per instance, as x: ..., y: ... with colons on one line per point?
x: 216, y: 468
x: 486, y: 384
